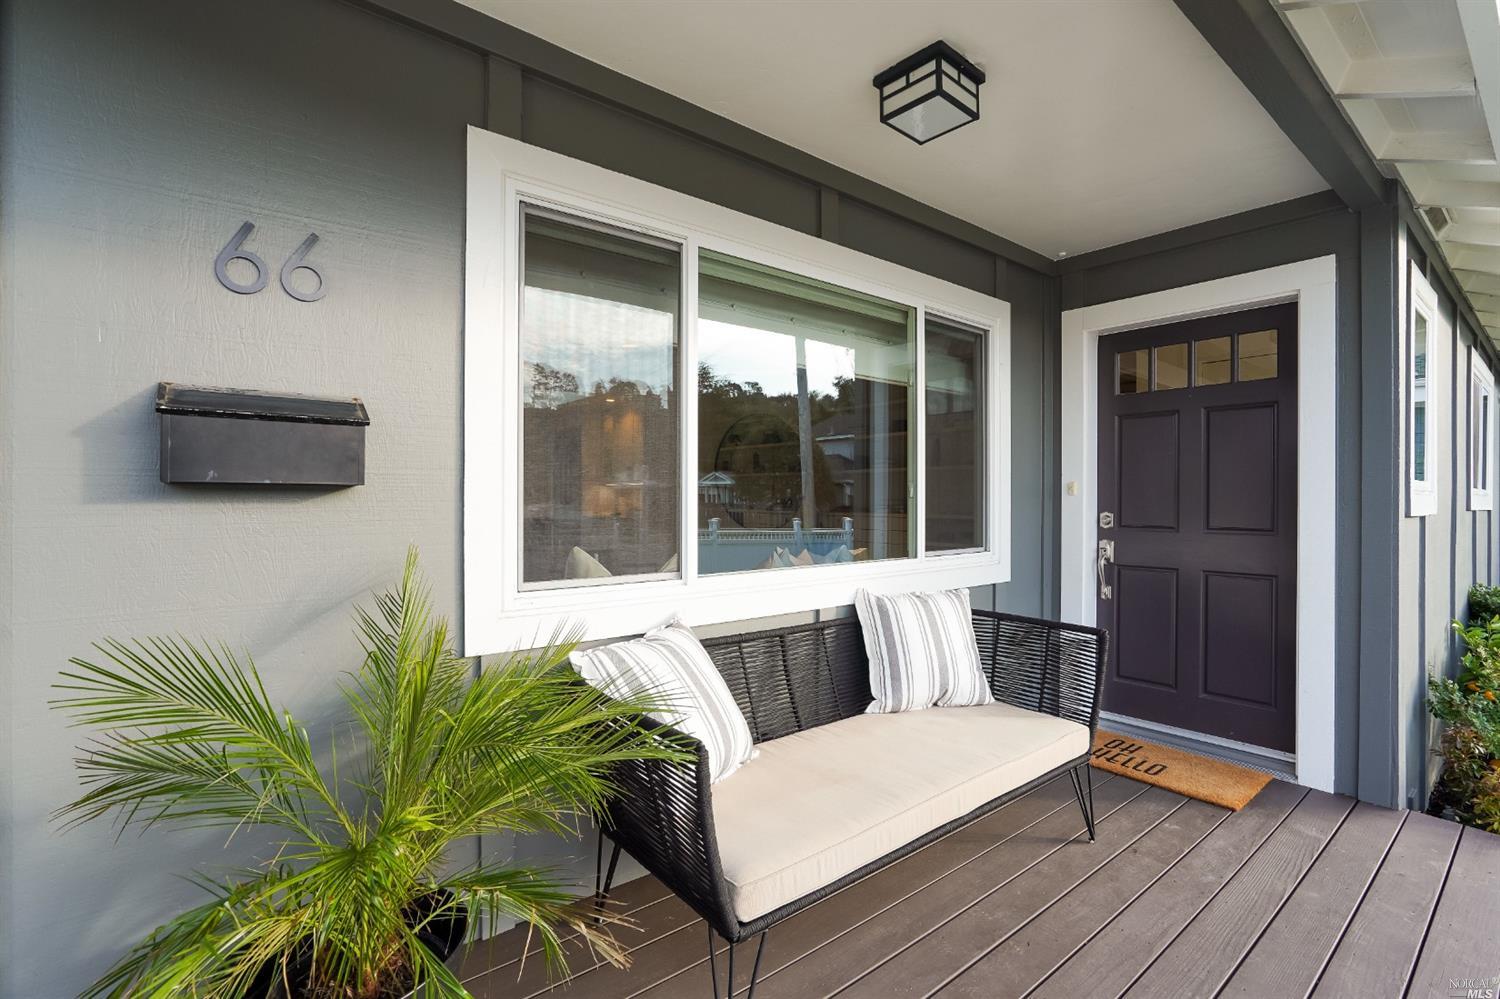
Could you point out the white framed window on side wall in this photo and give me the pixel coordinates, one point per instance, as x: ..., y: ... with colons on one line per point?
x: 674, y: 408
x: 1423, y: 370
x: 1481, y: 436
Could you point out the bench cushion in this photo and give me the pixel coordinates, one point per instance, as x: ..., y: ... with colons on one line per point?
x: 819, y: 804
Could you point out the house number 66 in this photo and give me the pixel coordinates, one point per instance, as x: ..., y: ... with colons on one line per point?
x: 234, y: 250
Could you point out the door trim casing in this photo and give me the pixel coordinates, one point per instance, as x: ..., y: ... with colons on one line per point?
x: 1312, y: 284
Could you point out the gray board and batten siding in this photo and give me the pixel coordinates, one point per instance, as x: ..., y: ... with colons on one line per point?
x: 134, y: 148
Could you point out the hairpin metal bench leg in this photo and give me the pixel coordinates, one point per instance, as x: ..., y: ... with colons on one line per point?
x: 1083, y: 790
x: 603, y: 881
x: 713, y: 967
x: 760, y: 949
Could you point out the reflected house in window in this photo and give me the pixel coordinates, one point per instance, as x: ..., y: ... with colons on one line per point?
x: 716, y: 489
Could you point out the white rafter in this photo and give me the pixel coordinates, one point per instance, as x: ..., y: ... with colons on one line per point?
x: 1420, y: 82
x: 1390, y: 79
x: 1458, y: 194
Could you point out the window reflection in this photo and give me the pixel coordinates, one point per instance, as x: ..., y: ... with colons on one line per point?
x: 1133, y: 371
x: 804, y: 393
x: 599, y: 329
x: 1211, y: 361
x: 955, y: 437
x: 1172, y: 366
x: 1257, y: 355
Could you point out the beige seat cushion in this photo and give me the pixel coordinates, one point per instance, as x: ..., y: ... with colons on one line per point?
x: 819, y: 804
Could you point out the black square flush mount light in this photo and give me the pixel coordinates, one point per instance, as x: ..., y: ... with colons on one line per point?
x: 929, y: 93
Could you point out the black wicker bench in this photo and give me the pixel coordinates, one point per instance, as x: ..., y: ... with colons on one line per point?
x: 792, y: 680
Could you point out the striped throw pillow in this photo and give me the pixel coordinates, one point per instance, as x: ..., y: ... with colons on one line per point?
x: 670, y: 665
x: 922, y: 650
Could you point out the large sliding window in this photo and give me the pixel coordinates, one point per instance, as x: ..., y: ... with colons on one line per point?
x: 673, y: 408
x: 955, y: 437
x: 1424, y: 370
x: 1481, y: 431
x: 804, y: 405
x: 599, y: 399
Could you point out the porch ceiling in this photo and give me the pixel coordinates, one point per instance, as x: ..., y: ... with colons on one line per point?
x: 1420, y: 82
x: 1103, y: 121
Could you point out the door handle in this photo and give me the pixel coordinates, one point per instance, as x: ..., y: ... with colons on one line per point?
x: 1106, y: 555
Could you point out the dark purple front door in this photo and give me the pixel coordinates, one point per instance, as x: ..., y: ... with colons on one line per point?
x: 1197, y: 497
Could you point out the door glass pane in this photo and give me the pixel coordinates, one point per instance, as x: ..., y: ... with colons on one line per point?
x: 955, y: 438
x: 599, y: 338
x: 1419, y: 398
x: 1211, y: 361
x: 804, y: 402
x: 1172, y: 366
x: 1257, y: 355
x: 1133, y: 372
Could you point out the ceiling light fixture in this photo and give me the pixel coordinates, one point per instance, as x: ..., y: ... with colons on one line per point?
x: 929, y: 93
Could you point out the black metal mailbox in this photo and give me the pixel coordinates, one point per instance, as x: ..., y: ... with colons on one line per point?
x: 218, y: 435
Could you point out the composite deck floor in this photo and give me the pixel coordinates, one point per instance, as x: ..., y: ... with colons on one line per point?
x: 1300, y: 893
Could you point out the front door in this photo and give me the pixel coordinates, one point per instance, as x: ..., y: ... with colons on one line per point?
x: 1197, y: 560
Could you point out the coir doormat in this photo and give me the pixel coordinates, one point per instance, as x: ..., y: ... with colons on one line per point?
x: 1213, y: 781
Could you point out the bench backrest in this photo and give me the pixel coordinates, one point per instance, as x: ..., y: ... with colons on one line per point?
x: 790, y: 679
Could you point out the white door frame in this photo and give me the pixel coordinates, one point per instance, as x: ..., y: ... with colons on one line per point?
x: 1312, y: 285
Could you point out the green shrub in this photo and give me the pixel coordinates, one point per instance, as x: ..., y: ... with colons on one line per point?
x: 1484, y: 602
x: 1481, y: 661
x: 1470, y: 747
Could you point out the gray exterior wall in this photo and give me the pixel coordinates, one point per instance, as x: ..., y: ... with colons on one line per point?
x: 1309, y: 227
x: 135, y: 140
x: 1442, y: 555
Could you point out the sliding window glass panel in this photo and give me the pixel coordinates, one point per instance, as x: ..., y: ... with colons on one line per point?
x: 1479, y: 434
x: 599, y: 359
x: 955, y: 437
x: 804, y: 402
x: 1418, y: 398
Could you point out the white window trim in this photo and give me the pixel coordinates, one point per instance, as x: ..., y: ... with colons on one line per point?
x: 1312, y: 284
x: 498, y: 614
x: 1421, y: 496
x: 1483, y: 379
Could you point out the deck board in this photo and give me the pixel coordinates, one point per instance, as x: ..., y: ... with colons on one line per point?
x: 930, y: 962
x: 1299, y: 891
x: 1380, y: 946
x: 1206, y: 952
x: 1461, y: 942
x: 1290, y: 956
x: 1018, y: 964
x: 1111, y: 961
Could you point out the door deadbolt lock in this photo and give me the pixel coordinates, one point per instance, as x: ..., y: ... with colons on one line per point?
x: 1106, y: 520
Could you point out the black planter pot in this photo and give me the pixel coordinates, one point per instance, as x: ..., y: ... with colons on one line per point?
x: 441, y: 935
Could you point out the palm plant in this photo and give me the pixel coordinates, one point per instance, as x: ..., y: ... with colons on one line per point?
x: 365, y: 869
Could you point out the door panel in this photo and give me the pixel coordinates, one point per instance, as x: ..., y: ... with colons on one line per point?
x: 1148, y: 457
x: 1240, y: 445
x: 1239, y: 637
x: 1147, y: 597
x: 1197, y: 472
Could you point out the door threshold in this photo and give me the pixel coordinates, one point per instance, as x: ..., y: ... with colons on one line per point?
x: 1274, y: 762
